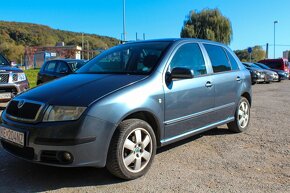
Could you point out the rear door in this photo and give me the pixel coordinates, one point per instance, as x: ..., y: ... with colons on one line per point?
x: 62, y: 69
x: 188, y: 102
x: 49, y: 71
x: 227, y: 79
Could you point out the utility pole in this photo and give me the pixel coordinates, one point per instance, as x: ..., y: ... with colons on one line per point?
x: 275, y: 22
x: 136, y: 36
x: 88, y: 48
x: 267, y: 51
x: 144, y: 36
x: 124, y: 20
x: 82, y: 55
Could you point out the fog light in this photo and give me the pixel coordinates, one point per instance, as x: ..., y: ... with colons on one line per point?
x: 66, y: 157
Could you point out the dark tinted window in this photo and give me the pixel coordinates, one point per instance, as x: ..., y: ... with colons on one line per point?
x: 219, y: 60
x: 75, y: 65
x: 50, y: 66
x: 3, y: 61
x: 131, y: 58
x: 274, y: 64
x: 62, y: 67
x: 263, y: 66
x: 234, y: 63
x: 189, y: 56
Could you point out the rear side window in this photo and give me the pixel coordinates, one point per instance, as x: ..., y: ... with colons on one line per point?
x: 234, y: 63
x: 189, y: 56
x: 3, y: 61
x: 62, y: 67
x: 218, y: 58
x: 274, y: 64
x: 50, y: 66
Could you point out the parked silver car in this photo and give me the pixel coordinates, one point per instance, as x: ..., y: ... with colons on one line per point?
x: 118, y: 108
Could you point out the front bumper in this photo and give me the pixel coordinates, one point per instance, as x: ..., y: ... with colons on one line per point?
x: 87, y: 140
x: 13, y: 88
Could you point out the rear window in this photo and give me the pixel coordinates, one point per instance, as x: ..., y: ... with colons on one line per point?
x: 50, y: 66
x: 75, y: 65
x: 218, y: 58
x: 3, y: 61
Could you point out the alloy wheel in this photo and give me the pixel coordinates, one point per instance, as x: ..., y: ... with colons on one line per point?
x: 137, y: 150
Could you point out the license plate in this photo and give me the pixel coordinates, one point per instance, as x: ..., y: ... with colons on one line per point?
x: 6, y: 95
x: 12, y: 136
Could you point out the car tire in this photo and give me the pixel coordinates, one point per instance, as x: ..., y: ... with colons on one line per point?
x: 242, y: 117
x: 132, y: 149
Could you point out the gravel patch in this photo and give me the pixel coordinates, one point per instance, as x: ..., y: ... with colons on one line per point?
x: 216, y: 161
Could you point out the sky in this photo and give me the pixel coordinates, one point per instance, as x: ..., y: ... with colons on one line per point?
x: 252, y: 20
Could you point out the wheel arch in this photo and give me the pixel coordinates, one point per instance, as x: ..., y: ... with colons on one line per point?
x: 148, y: 117
x: 248, y: 97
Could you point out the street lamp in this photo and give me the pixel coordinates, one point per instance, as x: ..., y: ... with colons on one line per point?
x: 124, y: 20
x: 275, y: 22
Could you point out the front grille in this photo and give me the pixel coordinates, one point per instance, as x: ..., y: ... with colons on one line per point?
x: 4, y: 78
x: 24, y: 152
x: 27, y: 112
x: 49, y: 157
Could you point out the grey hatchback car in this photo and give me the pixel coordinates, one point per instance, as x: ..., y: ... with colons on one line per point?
x: 123, y: 104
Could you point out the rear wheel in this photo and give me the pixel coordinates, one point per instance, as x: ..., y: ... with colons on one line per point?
x: 242, y: 117
x: 132, y: 149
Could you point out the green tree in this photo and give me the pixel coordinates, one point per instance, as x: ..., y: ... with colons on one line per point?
x: 257, y: 54
x: 208, y: 24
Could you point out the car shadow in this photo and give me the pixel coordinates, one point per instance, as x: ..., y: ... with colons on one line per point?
x: 20, y: 176
x: 212, y: 132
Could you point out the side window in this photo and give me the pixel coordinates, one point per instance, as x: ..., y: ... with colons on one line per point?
x: 50, y: 66
x: 234, y: 63
x: 189, y: 56
x: 62, y: 67
x: 218, y: 58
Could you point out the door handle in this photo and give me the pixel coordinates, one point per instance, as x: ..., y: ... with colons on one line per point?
x: 238, y: 79
x: 208, y: 84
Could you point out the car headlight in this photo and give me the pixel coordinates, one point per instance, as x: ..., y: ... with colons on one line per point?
x: 18, y: 77
x: 257, y: 72
x: 63, y: 113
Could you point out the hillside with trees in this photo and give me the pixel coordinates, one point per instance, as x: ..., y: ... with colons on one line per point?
x: 15, y: 36
x: 257, y: 54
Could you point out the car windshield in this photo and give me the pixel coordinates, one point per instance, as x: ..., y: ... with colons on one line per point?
x: 256, y: 66
x: 263, y: 66
x: 75, y: 65
x: 135, y: 58
x: 3, y: 61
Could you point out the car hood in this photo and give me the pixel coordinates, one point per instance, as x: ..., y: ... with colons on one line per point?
x: 256, y: 69
x: 270, y: 72
x: 9, y: 69
x: 278, y: 71
x: 79, y: 89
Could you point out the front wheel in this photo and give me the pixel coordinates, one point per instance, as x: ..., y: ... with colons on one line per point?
x: 132, y: 149
x: 242, y: 117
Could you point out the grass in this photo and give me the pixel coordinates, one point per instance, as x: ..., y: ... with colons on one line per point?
x: 31, y: 75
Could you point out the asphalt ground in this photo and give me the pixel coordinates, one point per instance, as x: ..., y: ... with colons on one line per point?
x: 216, y: 161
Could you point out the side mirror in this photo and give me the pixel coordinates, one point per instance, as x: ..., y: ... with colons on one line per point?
x: 181, y: 73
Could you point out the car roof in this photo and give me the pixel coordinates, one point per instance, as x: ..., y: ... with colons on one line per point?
x: 67, y: 60
x: 176, y: 40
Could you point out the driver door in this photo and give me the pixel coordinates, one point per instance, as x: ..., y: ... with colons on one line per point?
x: 188, y: 102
